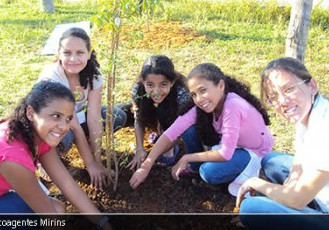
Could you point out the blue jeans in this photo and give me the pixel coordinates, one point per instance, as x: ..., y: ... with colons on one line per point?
x: 11, y: 202
x: 193, y: 144
x: 120, y: 118
x: 276, y: 167
x: 226, y: 171
x: 291, y: 220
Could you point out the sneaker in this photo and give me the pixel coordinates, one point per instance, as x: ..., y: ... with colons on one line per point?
x: 189, y: 173
x: 153, y: 137
x: 168, y: 161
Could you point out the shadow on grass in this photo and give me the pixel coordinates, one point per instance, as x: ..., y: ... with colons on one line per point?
x: 61, y: 15
x: 230, y: 37
x: 68, y: 10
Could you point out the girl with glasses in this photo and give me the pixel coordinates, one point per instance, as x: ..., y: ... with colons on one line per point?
x: 299, y: 183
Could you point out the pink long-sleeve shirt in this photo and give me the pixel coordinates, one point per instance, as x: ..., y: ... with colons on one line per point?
x: 240, y: 124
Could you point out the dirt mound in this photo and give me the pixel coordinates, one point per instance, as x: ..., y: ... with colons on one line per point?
x: 160, y: 34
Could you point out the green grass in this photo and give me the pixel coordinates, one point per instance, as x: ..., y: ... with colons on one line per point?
x: 246, y: 36
x: 24, y: 30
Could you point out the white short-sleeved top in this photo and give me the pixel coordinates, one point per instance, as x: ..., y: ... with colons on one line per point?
x: 312, y: 145
x: 55, y: 72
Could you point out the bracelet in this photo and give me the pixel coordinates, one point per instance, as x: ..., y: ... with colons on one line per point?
x: 102, y: 222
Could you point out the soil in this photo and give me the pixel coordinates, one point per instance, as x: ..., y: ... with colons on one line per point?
x: 188, y: 203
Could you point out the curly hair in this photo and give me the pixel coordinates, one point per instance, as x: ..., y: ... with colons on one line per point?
x: 43, y: 93
x: 146, y: 111
x: 214, y: 74
x: 91, y: 70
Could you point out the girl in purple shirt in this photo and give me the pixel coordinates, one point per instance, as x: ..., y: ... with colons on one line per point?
x: 228, y: 118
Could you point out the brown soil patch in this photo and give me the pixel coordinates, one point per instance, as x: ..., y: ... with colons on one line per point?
x: 160, y: 34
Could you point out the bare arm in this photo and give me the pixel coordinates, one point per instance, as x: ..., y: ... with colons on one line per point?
x: 139, y: 135
x: 62, y: 178
x: 140, y: 151
x: 81, y: 142
x: 94, y: 121
x: 161, y: 146
x: 212, y: 155
x: 295, y: 172
x: 295, y: 194
x: 97, y: 172
x: 24, y: 182
x: 70, y: 189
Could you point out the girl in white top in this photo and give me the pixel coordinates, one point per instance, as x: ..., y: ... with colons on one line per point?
x: 78, y: 69
x: 304, y: 188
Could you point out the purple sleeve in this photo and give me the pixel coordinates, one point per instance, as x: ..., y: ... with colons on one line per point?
x: 181, y: 124
x: 231, y: 118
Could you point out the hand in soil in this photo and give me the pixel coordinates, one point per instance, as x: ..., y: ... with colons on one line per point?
x: 138, y: 177
x: 178, y: 167
x: 138, y: 159
x: 98, y: 175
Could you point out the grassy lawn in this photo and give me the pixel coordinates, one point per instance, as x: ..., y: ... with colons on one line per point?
x: 239, y: 36
x: 24, y: 31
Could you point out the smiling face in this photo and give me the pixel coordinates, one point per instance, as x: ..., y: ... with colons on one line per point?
x: 74, y: 55
x: 293, y: 97
x: 157, y: 86
x: 207, y: 95
x: 52, y: 122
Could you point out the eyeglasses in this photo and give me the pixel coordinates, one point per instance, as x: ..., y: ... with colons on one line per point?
x: 273, y: 100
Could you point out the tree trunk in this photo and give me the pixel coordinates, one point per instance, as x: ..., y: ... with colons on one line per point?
x: 47, y: 6
x: 300, y: 19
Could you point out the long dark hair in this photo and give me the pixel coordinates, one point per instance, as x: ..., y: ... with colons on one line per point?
x: 146, y: 111
x: 287, y: 64
x: 214, y: 74
x: 91, y: 70
x: 43, y: 93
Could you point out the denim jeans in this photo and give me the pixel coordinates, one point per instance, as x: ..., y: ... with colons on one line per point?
x: 119, y: 122
x: 289, y: 219
x: 11, y: 202
x: 193, y: 144
x: 276, y: 167
x: 226, y: 171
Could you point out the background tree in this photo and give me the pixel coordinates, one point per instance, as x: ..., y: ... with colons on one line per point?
x: 300, y: 20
